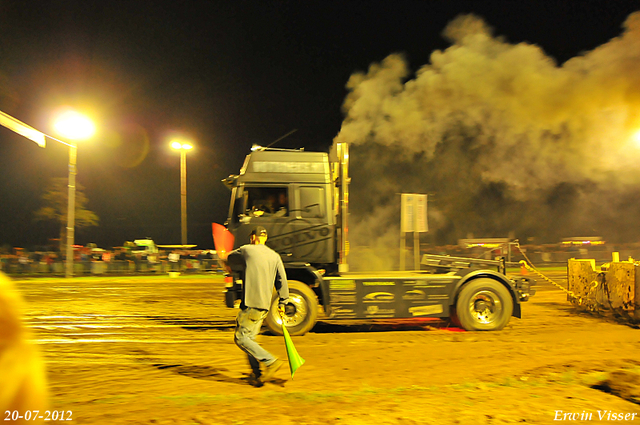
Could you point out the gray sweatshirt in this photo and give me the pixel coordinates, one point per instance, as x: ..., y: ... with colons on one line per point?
x: 263, y: 271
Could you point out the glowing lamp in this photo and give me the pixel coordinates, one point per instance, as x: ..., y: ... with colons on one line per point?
x: 74, y: 126
x: 181, y: 146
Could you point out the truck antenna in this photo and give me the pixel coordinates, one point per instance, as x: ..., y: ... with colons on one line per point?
x: 282, y: 137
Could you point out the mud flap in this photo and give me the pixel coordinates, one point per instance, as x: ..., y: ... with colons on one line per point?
x: 524, y: 287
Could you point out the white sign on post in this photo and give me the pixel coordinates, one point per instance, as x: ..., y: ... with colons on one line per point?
x: 422, y: 224
x: 406, y: 216
x: 413, y: 216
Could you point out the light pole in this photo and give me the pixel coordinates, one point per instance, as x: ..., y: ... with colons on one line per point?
x: 183, y: 148
x: 72, y: 126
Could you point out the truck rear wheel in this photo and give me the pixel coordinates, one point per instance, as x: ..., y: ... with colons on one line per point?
x: 484, y: 305
x: 301, y: 312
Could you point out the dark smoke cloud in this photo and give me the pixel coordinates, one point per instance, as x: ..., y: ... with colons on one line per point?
x: 505, y: 139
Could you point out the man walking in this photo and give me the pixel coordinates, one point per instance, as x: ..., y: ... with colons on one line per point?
x: 263, y: 269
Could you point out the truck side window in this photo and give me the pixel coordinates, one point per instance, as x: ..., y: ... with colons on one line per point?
x: 267, y: 201
x: 312, y: 203
x: 237, y: 208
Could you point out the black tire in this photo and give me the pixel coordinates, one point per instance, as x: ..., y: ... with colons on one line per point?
x: 301, y: 313
x: 453, y: 318
x: 484, y: 305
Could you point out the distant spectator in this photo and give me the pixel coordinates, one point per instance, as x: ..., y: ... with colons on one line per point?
x: 85, y: 259
x: 24, y: 261
x: 174, y: 258
x: 49, y: 260
x: 36, y: 256
x: 136, y: 261
x: 152, y: 259
x: 122, y: 260
x: 122, y: 255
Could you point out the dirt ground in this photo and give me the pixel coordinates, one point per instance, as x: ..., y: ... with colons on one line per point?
x: 161, y: 351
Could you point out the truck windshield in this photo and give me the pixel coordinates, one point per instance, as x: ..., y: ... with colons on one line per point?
x: 267, y: 201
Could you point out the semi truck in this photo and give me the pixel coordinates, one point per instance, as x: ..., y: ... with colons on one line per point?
x: 302, y: 199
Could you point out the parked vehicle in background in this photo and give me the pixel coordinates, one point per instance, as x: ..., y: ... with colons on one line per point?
x: 143, y: 246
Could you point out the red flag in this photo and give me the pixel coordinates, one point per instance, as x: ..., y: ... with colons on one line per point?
x: 222, y: 239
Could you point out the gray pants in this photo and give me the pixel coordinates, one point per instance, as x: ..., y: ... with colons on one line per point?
x: 248, y: 325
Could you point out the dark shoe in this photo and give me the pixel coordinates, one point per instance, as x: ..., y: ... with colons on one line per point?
x: 271, y: 370
x: 254, y: 381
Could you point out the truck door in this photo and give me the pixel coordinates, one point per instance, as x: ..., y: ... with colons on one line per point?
x: 307, y: 234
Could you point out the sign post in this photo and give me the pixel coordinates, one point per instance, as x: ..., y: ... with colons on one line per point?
x: 413, y: 218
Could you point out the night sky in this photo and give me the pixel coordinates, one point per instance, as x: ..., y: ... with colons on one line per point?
x: 223, y: 74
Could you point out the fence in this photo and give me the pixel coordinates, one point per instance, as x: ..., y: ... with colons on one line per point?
x: 12, y: 266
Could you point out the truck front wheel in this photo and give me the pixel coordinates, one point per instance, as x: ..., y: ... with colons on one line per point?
x: 484, y: 305
x: 301, y: 312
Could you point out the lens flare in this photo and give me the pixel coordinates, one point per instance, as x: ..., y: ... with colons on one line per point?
x: 636, y: 137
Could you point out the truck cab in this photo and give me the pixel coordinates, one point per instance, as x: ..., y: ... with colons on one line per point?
x: 302, y: 198
x: 291, y: 195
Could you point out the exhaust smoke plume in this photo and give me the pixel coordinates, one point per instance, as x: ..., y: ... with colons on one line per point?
x: 503, y: 137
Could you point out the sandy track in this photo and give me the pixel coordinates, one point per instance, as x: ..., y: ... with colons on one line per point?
x: 160, y: 350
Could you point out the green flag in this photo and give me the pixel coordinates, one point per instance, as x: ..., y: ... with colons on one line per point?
x: 295, y: 361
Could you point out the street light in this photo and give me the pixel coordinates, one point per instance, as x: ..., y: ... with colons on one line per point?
x: 72, y: 126
x: 183, y: 148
